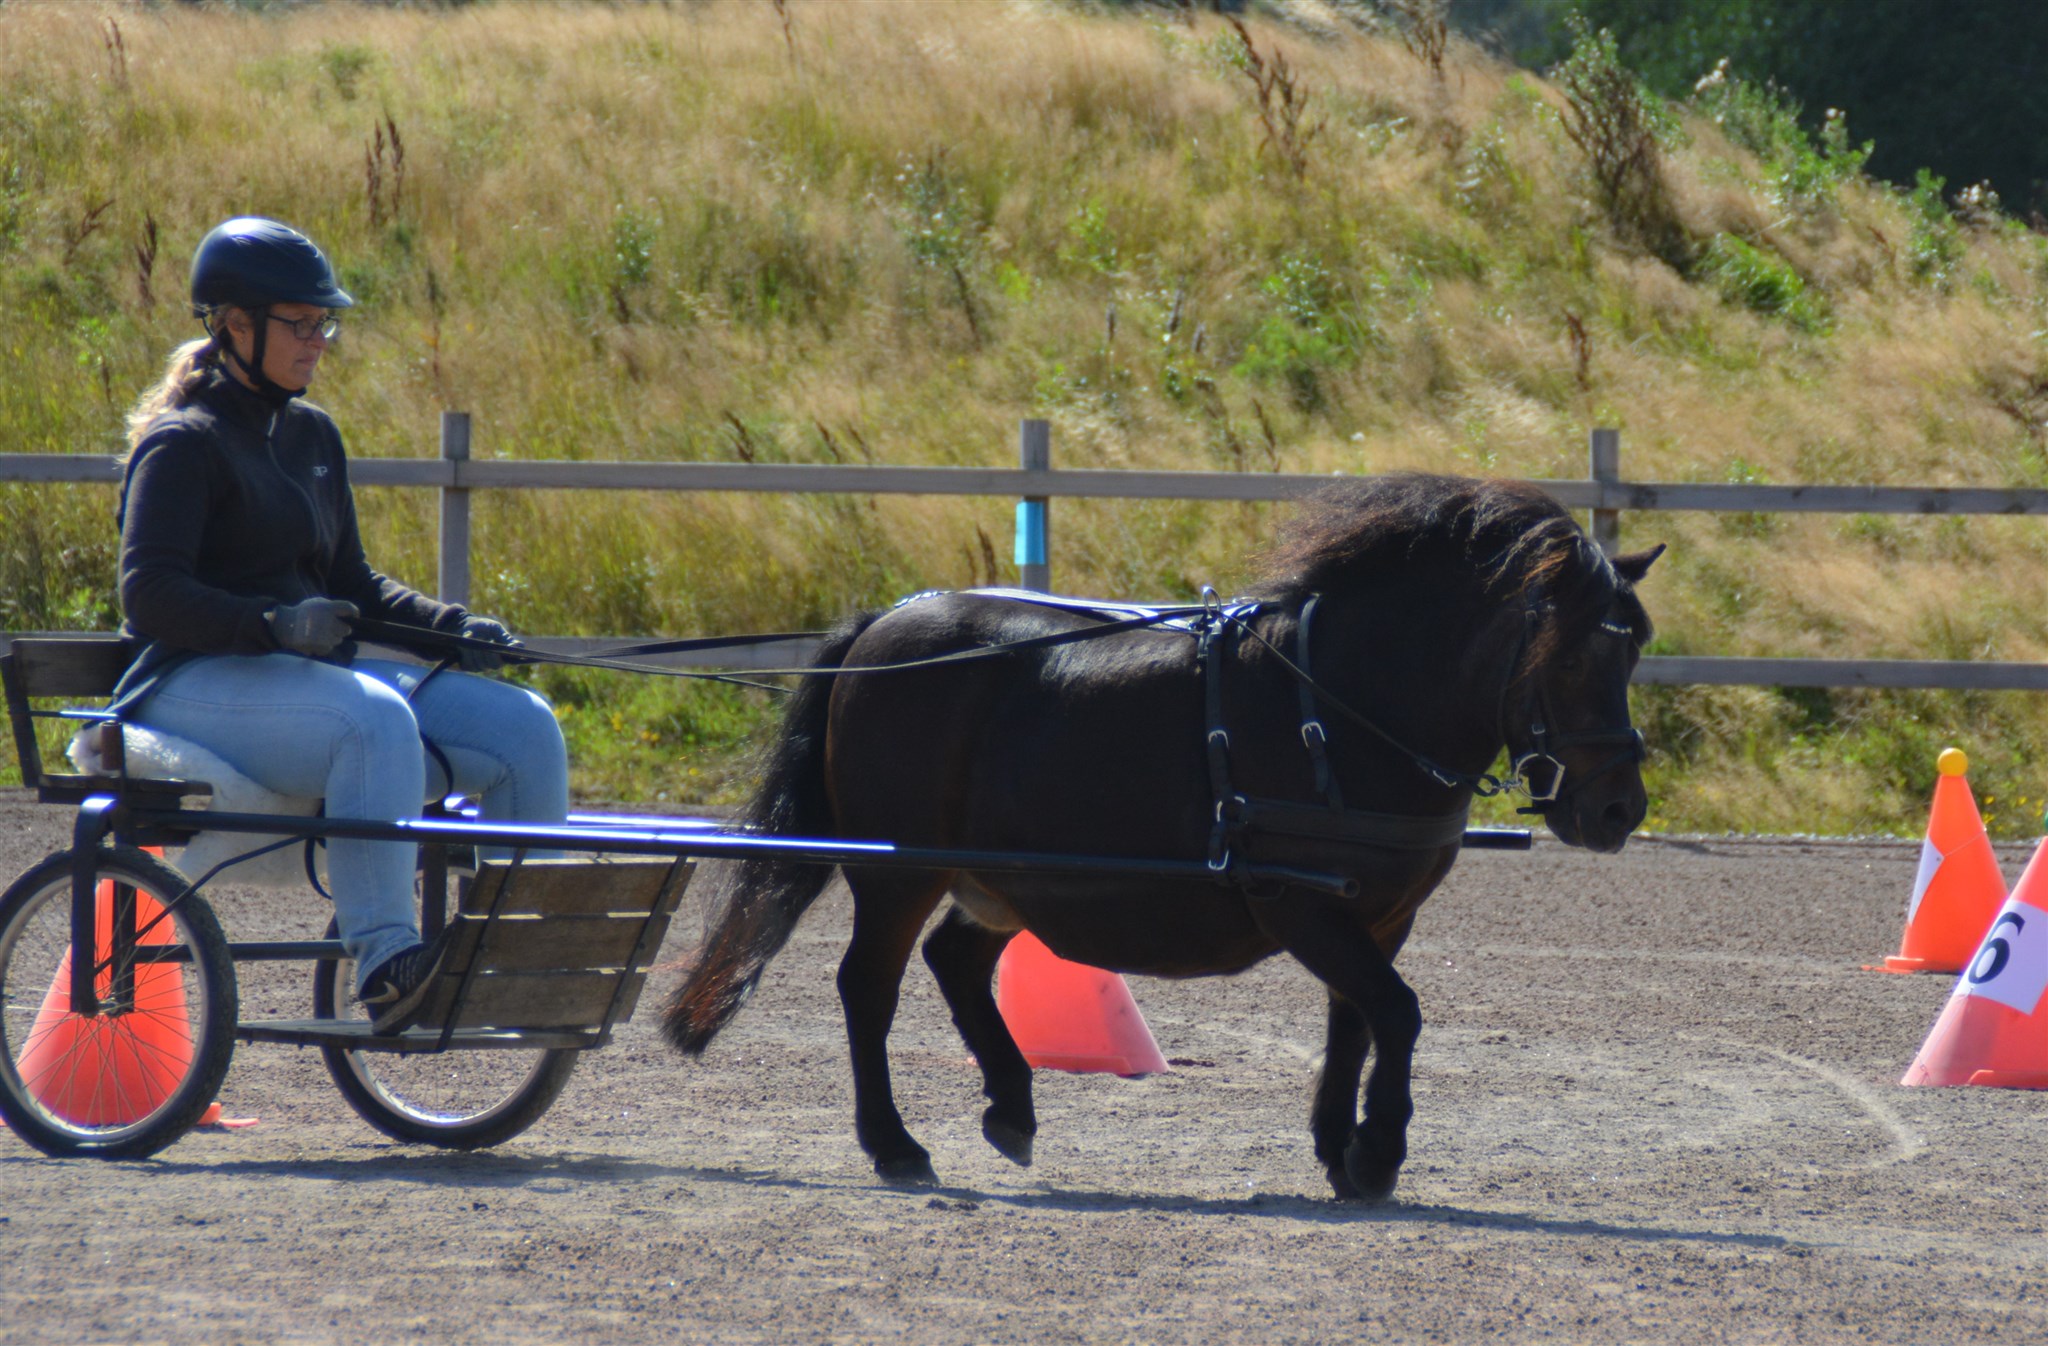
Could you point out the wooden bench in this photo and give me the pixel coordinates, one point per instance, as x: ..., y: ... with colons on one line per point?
x: 555, y: 945
x: 542, y: 953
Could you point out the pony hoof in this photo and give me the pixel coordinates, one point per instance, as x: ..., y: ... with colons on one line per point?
x: 1369, y: 1182
x: 1341, y: 1185
x: 1373, y: 1167
x: 1012, y: 1144
x: 910, y: 1171
x: 1370, y: 1196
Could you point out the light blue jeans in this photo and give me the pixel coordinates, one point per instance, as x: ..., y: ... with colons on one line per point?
x: 348, y: 735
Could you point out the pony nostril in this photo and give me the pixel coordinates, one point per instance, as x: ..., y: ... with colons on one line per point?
x: 1622, y: 817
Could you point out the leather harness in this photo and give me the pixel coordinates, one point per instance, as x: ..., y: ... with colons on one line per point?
x: 1241, y: 818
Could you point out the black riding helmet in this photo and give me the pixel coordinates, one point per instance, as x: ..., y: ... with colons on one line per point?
x: 251, y: 263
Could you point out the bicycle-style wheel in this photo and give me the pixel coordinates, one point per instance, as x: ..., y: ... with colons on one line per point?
x: 465, y: 1099
x: 125, y: 1082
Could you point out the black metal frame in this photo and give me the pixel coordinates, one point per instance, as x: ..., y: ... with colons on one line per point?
x: 108, y: 817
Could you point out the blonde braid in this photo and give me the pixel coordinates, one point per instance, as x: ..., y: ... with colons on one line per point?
x: 187, y: 367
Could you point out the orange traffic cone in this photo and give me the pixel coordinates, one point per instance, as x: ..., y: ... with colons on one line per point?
x: 1069, y: 1016
x: 1958, y: 887
x: 1990, y: 1032
x: 112, y: 1069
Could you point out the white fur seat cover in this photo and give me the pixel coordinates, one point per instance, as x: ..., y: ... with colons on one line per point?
x: 155, y: 754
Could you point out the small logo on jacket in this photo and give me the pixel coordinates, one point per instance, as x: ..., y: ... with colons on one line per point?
x: 320, y: 470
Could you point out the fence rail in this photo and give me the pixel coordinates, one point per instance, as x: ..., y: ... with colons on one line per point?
x: 1093, y: 483
x: 1656, y: 670
x: 1036, y: 483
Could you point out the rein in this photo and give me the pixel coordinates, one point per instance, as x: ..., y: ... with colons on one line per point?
x: 618, y: 658
x: 1199, y: 620
x: 1213, y: 625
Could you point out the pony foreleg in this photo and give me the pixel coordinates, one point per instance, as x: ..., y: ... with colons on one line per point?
x: 1346, y: 959
x: 870, y: 983
x: 1394, y: 1017
x: 1333, y: 1117
x: 962, y: 955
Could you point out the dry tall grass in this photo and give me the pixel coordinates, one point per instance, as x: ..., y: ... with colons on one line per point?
x: 679, y: 232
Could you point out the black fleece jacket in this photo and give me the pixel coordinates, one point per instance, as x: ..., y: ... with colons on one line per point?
x: 234, y: 504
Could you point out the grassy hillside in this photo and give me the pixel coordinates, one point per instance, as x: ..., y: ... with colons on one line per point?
x: 886, y: 231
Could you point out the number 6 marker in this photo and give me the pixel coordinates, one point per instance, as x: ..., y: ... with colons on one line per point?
x: 2011, y: 965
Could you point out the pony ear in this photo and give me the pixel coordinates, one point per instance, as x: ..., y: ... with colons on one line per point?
x: 1635, y: 565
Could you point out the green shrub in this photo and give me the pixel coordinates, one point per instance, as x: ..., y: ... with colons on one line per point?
x: 1937, y: 243
x: 1763, y: 281
x: 346, y: 64
x: 1622, y: 127
x: 1307, y: 334
x: 1090, y: 240
x: 1806, y: 172
x: 632, y: 257
x: 1761, y: 118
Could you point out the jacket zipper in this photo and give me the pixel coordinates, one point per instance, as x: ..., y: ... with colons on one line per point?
x: 312, y: 512
x: 270, y: 446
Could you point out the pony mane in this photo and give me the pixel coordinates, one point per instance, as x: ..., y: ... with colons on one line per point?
x: 1515, y: 543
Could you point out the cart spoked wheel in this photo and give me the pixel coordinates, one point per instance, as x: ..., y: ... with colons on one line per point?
x: 133, y: 1078
x: 459, y: 1100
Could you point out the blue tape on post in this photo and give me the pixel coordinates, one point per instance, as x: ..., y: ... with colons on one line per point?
x: 1030, y: 532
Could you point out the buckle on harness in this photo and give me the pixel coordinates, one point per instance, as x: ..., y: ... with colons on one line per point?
x: 1230, y: 811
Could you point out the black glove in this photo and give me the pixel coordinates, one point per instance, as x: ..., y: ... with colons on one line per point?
x: 314, y: 626
x: 483, y: 628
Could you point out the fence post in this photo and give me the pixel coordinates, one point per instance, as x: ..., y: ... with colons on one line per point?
x: 1605, y: 455
x: 1034, y: 563
x: 452, y: 579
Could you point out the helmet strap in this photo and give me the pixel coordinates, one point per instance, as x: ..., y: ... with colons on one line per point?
x: 266, y: 387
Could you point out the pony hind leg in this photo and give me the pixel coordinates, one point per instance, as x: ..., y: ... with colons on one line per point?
x: 889, y: 909
x: 962, y: 955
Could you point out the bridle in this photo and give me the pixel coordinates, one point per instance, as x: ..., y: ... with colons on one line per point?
x: 1544, y: 743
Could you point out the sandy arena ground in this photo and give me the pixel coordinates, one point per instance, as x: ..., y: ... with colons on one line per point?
x: 1656, y: 1102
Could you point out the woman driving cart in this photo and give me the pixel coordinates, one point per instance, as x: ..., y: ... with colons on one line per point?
x: 241, y: 571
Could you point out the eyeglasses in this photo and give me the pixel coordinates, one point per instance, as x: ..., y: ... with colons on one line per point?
x: 305, y: 329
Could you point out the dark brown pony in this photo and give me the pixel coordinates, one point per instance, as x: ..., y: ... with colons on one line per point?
x: 1452, y: 617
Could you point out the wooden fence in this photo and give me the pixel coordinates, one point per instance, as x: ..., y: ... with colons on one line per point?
x: 1035, y: 483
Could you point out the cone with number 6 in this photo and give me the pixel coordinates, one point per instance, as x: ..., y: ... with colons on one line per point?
x: 1993, y: 1030
x: 1958, y: 887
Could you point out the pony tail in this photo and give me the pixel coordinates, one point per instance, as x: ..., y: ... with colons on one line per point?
x: 187, y: 367
x: 756, y: 910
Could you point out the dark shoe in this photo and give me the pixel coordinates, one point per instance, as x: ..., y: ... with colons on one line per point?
x: 397, y: 991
